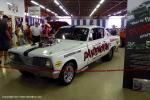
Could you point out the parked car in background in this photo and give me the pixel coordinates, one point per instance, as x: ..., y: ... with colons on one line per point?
x: 70, y: 52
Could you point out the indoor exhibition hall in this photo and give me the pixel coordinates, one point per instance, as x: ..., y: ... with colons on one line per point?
x: 74, y: 49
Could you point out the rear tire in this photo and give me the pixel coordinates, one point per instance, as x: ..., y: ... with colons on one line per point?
x: 67, y: 74
x: 109, y: 56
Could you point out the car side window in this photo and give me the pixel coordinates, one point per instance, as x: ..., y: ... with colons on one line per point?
x: 97, y: 33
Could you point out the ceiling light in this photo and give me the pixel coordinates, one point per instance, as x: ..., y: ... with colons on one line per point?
x: 42, y: 6
x: 56, y: 2
x: 97, y: 6
x: 61, y: 7
x: 34, y: 2
x: 102, y: 1
x: 48, y: 10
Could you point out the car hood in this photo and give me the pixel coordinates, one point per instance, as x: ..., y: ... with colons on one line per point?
x: 61, y: 47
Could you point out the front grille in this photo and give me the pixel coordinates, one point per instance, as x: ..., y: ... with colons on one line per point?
x: 29, y: 61
x: 17, y: 59
x: 26, y: 60
x: 38, y: 61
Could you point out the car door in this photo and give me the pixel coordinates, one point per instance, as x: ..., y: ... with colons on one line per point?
x: 95, y: 43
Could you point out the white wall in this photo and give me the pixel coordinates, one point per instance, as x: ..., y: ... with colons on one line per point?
x: 114, y: 20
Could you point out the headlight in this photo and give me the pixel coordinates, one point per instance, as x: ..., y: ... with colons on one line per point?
x: 48, y: 63
x: 11, y: 56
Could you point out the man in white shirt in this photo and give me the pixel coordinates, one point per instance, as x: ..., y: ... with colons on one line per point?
x: 36, y: 32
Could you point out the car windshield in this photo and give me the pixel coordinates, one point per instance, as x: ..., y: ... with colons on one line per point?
x: 79, y: 34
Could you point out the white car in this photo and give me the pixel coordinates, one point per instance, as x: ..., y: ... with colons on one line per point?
x: 72, y: 50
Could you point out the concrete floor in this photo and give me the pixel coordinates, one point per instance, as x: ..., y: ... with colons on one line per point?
x: 86, y: 86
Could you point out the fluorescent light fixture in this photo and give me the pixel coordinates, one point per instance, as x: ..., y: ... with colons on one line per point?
x: 9, y: 3
x: 61, y: 6
x: 56, y: 2
x: 97, y: 6
x: 48, y: 10
x: 102, y: 1
x: 53, y: 12
x: 34, y: 2
x: 42, y: 6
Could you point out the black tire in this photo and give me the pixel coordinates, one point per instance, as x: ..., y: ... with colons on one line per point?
x: 67, y: 74
x: 26, y: 74
x: 109, y: 56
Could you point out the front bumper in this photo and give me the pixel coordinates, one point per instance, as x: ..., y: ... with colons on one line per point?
x: 40, y: 71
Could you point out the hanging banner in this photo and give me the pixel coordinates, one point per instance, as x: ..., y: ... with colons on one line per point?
x: 137, y: 53
x: 34, y: 11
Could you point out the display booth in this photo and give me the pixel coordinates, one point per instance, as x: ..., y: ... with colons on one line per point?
x: 137, y: 53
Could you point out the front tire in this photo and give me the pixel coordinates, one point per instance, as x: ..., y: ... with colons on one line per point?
x: 67, y: 74
x: 109, y: 56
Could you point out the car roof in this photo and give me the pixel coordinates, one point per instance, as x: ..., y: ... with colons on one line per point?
x: 82, y: 26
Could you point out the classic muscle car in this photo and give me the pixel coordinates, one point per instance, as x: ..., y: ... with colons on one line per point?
x: 71, y: 50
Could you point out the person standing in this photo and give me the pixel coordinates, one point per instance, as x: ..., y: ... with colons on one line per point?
x: 36, y: 32
x: 114, y: 30
x: 46, y: 32
x: 20, y: 35
x: 27, y: 32
x: 5, y: 38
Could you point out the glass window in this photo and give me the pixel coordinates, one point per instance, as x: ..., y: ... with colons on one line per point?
x: 97, y: 33
x: 79, y: 34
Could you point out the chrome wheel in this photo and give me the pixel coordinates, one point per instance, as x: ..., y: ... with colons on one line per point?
x: 68, y: 74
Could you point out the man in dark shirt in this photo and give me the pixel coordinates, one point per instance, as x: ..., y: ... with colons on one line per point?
x: 4, y: 37
x: 4, y: 34
x: 113, y: 31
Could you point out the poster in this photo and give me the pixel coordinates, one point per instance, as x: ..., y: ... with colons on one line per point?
x: 137, y: 53
x: 34, y: 11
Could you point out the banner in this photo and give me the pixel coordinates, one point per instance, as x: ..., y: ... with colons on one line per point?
x: 34, y: 11
x: 137, y: 53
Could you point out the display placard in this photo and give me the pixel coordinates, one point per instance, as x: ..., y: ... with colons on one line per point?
x: 137, y: 53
